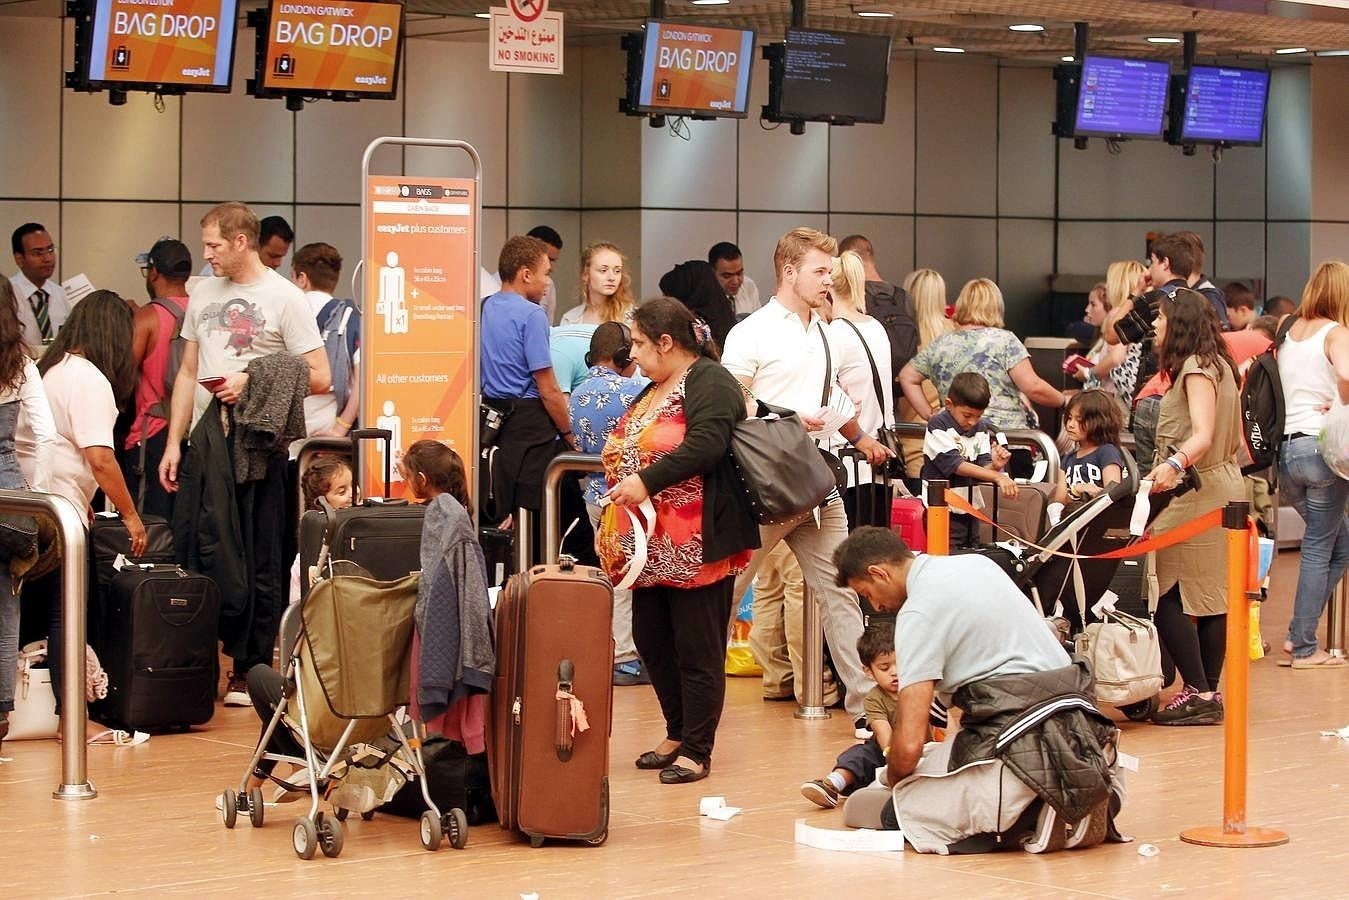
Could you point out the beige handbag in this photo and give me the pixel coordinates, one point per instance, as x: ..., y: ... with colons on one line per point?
x: 1125, y: 656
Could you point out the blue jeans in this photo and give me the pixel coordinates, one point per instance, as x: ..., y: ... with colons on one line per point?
x: 1319, y: 496
x: 9, y: 639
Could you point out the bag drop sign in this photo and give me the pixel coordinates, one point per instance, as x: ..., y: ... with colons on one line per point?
x: 333, y: 46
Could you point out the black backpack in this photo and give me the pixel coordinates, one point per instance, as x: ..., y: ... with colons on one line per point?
x: 1262, y: 405
x: 891, y: 306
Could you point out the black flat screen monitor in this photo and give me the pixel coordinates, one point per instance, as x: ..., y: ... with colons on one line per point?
x: 1224, y: 105
x: 694, y: 70
x: 169, y: 47
x: 1121, y: 98
x: 346, y: 50
x: 831, y: 76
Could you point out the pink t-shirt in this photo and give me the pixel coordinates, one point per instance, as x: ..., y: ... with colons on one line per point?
x: 85, y: 412
x: 150, y: 389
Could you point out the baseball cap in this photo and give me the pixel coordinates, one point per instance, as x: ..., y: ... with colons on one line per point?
x: 168, y: 257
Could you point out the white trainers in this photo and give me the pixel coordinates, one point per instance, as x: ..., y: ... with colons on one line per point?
x: 861, y: 728
x: 1050, y: 833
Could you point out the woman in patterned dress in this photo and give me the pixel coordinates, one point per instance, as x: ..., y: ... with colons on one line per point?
x: 672, y: 447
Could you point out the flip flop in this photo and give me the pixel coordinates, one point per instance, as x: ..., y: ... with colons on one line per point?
x: 1330, y: 662
x: 119, y: 738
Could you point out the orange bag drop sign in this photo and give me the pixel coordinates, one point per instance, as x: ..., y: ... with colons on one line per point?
x: 341, y: 46
x: 419, y: 327
x: 171, y: 42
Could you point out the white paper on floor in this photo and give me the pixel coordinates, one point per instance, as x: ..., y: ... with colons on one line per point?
x: 1343, y: 733
x: 852, y: 840
x: 716, y: 808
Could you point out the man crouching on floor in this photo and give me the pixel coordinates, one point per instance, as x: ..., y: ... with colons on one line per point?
x: 1033, y: 764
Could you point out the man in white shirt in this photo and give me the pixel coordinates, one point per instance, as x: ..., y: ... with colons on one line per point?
x: 39, y: 300
x: 317, y: 268
x: 782, y: 354
x: 740, y: 289
x: 553, y: 240
x: 247, y: 312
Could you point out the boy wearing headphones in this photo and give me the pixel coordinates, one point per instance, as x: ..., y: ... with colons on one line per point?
x: 597, y: 403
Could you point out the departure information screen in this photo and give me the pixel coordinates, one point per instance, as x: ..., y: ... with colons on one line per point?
x: 1224, y: 104
x: 1122, y: 97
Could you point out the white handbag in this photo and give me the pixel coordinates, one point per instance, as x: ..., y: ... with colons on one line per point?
x: 1125, y: 656
x: 34, y: 714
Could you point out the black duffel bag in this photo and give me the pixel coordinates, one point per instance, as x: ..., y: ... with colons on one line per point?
x: 781, y: 469
x: 455, y: 780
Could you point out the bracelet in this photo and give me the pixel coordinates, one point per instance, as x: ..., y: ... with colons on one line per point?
x: 1171, y: 461
x: 343, y: 422
x: 1185, y: 457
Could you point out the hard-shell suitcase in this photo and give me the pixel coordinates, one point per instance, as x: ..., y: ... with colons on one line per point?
x: 554, y: 641
x: 108, y: 538
x: 906, y: 520
x: 382, y: 536
x: 159, y: 649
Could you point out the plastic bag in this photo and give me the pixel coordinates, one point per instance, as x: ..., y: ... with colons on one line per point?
x: 1335, y: 440
x: 1257, y: 647
x: 739, y: 659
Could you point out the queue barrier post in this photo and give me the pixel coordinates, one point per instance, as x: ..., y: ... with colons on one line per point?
x: 1234, y: 832
x: 938, y: 518
x: 70, y: 529
x: 1339, y: 601
x: 562, y: 464
x: 812, y: 662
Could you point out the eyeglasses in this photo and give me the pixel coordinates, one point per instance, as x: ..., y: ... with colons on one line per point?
x: 39, y: 252
x: 145, y: 271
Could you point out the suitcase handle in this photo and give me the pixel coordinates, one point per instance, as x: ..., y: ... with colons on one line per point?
x: 566, y: 673
x: 373, y: 434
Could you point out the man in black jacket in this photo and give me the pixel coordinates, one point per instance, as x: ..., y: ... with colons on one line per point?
x: 965, y: 635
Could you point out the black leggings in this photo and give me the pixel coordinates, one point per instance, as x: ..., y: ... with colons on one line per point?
x: 1196, y: 645
x: 681, y: 636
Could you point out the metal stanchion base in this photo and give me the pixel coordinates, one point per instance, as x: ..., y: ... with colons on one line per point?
x: 811, y: 712
x: 1337, y: 652
x: 1216, y: 836
x: 75, y: 792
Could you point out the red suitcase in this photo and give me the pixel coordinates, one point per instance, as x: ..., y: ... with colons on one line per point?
x: 554, y: 634
x: 906, y: 519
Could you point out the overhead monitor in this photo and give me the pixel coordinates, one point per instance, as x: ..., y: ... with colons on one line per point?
x: 340, y: 50
x: 168, y: 46
x: 693, y: 70
x: 829, y: 76
x: 1121, y: 98
x: 1224, y: 105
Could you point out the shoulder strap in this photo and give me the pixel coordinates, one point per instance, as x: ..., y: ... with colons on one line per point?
x: 828, y: 366
x: 875, y: 373
x: 1284, y: 327
x: 174, y: 311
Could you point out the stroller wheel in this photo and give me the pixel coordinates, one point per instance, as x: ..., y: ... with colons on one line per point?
x: 229, y: 809
x: 431, y: 832
x: 1140, y: 711
x: 330, y: 836
x: 305, y: 839
x: 341, y: 812
x: 256, y: 808
x: 367, y: 815
x: 457, y: 826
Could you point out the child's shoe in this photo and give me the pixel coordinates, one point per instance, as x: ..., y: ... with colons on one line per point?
x: 821, y: 793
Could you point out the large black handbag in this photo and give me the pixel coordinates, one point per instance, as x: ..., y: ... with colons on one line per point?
x: 782, y: 470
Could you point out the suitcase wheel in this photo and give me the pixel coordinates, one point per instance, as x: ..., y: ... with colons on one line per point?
x: 536, y: 841
x: 229, y: 808
x: 596, y: 841
x: 431, y: 832
x: 1142, y: 710
x: 305, y: 838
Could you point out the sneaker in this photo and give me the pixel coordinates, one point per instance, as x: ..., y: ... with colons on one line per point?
x: 821, y: 793
x: 1188, y: 708
x: 236, y: 691
x: 626, y: 674
x: 861, y: 729
x: 1049, y: 835
x: 1090, y: 831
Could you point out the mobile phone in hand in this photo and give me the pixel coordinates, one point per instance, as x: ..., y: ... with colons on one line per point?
x: 212, y: 383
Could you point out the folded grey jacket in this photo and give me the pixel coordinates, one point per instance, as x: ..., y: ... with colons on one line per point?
x: 454, y: 617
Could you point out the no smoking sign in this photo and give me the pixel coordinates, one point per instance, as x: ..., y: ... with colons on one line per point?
x: 528, y: 10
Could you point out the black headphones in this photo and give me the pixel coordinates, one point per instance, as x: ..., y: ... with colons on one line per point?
x: 623, y: 355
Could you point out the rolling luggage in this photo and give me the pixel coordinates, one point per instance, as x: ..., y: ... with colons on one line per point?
x: 550, y: 778
x: 108, y: 539
x: 906, y: 520
x: 159, y: 649
x: 382, y: 536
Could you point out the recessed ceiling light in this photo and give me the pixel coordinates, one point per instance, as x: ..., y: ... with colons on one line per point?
x: 485, y: 15
x: 709, y: 2
x: 1067, y: 58
x: 1284, y: 51
x: 1163, y: 39
x: 875, y: 14
x: 1025, y: 26
x: 948, y: 49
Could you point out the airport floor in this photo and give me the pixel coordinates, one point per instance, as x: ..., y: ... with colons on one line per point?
x: 153, y: 829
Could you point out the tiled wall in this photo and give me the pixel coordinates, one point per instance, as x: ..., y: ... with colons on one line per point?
x: 964, y: 176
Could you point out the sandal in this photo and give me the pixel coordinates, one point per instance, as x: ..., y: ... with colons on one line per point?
x: 1327, y: 662
x: 120, y: 738
x: 653, y: 760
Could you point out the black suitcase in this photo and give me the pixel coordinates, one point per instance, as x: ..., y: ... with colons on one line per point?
x: 108, y: 539
x: 159, y: 649
x: 382, y: 536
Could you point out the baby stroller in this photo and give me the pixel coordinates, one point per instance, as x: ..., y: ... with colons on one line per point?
x: 1069, y: 588
x: 346, y: 647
